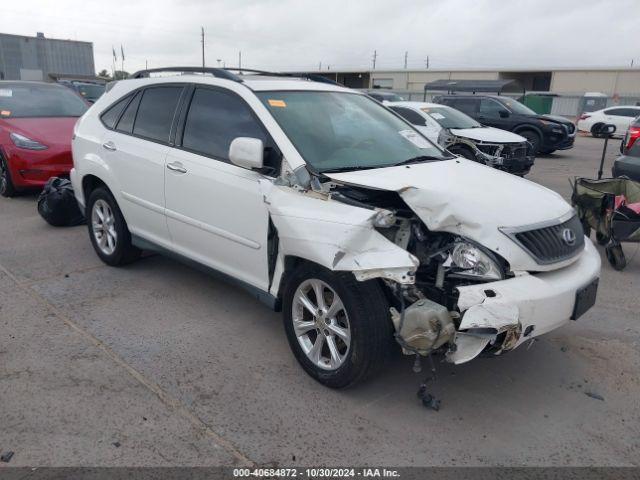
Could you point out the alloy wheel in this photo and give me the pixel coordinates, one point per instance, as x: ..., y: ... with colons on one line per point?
x: 103, y: 227
x: 321, y: 324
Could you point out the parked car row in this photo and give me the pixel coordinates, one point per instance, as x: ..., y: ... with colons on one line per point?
x: 343, y: 216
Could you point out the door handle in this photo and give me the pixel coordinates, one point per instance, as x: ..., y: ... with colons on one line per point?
x: 109, y: 146
x: 176, y: 167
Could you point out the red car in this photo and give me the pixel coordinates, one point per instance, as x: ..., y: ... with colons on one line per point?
x: 36, y: 125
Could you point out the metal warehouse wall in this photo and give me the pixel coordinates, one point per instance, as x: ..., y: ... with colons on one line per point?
x: 608, y: 81
x: 34, y: 58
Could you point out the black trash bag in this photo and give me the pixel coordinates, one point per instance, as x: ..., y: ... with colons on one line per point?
x: 57, y: 204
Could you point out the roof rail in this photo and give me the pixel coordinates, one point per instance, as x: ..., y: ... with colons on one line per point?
x: 216, y: 72
x: 309, y: 76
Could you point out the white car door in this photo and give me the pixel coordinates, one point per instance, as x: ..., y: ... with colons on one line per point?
x: 621, y: 117
x: 135, y: 151
x: 215, y: 211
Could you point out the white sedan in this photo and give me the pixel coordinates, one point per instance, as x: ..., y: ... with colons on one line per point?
x: 620, y: 116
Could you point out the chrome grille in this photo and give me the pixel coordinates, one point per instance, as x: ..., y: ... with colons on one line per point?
x: 550, y: 243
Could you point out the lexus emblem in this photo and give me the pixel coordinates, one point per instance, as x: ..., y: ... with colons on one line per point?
x: 568, y: 237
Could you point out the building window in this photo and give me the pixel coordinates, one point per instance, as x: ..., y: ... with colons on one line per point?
x: 383, y: 83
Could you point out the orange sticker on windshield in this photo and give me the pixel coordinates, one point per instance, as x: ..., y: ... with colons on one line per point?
x: 277, y: 103
x: 5, y: 113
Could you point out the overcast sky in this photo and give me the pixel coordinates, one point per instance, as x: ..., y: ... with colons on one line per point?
x: 299, y: 34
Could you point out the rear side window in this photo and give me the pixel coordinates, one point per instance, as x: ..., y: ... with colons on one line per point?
x: 215, y: 118
x: 155, y: 113
x: 409, y: 115
x: 623, y: 112
x: 466, y: 105
x: 111, y: 115
x: 125, y: 125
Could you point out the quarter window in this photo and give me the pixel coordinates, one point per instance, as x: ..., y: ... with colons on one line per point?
x: 111, y: 115
x: 125, y: 125
x: 215, y: 118
x: 156, y: 111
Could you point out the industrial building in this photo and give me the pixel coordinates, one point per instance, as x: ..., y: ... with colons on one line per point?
x: 41, y: 58
x: 564, y: 88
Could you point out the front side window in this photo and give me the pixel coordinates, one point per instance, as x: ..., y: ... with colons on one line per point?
x: 215, y: 118
x: 155, y: 113
x: 336, y: 131
x: 450, y: 117
x: 490, y: 108
x: 517, y: 107
x: 36, y: 100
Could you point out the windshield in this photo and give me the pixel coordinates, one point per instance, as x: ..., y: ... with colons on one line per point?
x: 516, y: 107
x: 342, y: 131
x: 24, y: 100
x: 90, y: 91
x: 450, y: 117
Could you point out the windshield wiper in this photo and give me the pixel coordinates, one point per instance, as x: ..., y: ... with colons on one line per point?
x: 418, y: 159
x: 349, y: 169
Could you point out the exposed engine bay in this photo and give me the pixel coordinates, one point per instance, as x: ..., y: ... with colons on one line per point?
x: 426, y: 314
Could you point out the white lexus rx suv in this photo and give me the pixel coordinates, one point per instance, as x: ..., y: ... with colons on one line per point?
x: 330, y: 207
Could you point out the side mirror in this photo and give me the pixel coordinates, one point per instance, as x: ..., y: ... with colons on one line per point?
x: 503, y: 113
x: 246, y: 152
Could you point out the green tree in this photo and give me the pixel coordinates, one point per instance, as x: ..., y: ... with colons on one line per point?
x: 120, y: 75
x: 104, y: 73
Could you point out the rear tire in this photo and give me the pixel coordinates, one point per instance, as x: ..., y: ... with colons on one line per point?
x: 108, y: 230
x: 533, y: 138
x: 595, y: 128
x: 7, y: 189
x: 363, y: 320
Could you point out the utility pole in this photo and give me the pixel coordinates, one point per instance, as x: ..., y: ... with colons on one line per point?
x: 146, y: 65
x: 375, y: 56
x: 632, y: 63
x: 240, y: 60
x: 406, y: 55
x: 320, y: 66
x: 427, y: 62
x: 202, y: 35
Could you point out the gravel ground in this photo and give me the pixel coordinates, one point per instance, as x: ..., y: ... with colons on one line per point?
x: 157, y: 364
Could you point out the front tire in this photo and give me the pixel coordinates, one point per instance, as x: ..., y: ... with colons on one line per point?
x: 533, y: 138
x: 463, y: 151
x: 108, y: 230
x: 7, y: 189
x: 338, y: 328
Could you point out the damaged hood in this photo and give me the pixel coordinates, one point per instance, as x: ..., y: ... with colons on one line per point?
x: 469, y: 199
x: 488, y: 134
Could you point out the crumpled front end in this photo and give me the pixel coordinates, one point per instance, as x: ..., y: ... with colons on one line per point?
x: 455, y: 282
x: 502, y: 315
x: 516, y: 158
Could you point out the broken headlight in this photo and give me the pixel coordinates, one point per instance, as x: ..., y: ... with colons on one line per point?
x: 469, y: 260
